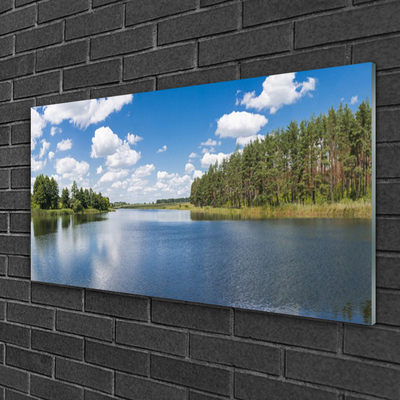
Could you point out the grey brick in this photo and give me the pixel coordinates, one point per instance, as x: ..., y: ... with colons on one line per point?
x: 387, y: 123
x: 85, y: 325
x: 251, y: 387
x: 19, y: 245
x: 387, y: 308
x: 258, y: 11
x: 17, y: 199
x: 132, y: 307
x: 321, y: 58
x: 29, y: 360
x: 124, y: 42
x: 20, y: 222
x: 89, y: 395
x: 160, y: 61
x: 358, y: 376
x: 37, y: 85
x: 145, y: 85
x: 4, y: 141
x: 6, y: 46
x: 235, y: 353
x: 201, y: 396
x: 3, y: 222
x: 203, y: 318
x: 63, y: 98
x: 84, y: 374
x: 198, y: 24
x: 134, y: 388
x: 50, y: 389
x: 151, y: 337
x: 3, y: 265
x: 388, y: 234
x: 58, y: 296
x: 20, y: 177
x: 388, y: 272
x: 12, y: 112
x: 12, y: 395
x: 355, y: 2
x: 386, y: 93
x: 386, y: 161
x: 205, y: 3
x: 99, y: 3
x: 386, y: 198
x: 17, y: 20
x: 92, y: 74
x: 369, y: 342
x: 146, y: 10
x: 199, y: 77
x: 2, y: 310
x: 53, y: 9
x: 20, y: 134
x: 31, y: 315
x: 96, y: 22
x: 62, y: 56
x: 6, y: 5
x: 56, y: 343
x: 198, y: 376
x: 10, y: 333
x: 13, y: 378
x: 274, y: 39
x: 117, y: 358
x: 14, y: 289
x: 19, y: 3
x: 341, y: 26
x: 17, y: 66
x: 382, y: 52
x: 5, y: 91
x: 302, y: 332
x: 39, y: 37
x: 19, y: 267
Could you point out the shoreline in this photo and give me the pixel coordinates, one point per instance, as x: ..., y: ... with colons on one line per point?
x: 66, y: 211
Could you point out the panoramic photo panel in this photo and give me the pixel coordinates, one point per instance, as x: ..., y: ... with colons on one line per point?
x: 256, y: 193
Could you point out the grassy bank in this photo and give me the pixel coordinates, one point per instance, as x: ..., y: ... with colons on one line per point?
x: 346, y: 209
x: 65, y: 211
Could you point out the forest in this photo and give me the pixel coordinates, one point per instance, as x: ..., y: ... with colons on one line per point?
x: 46, y: 197
x: 323, y: 160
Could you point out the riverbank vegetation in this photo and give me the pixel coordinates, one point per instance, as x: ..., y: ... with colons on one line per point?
x: 320, y: 167
x: 46, y: 200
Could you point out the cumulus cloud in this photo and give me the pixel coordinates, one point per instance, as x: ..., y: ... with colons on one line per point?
x: 51, y: 155
x: 105, y: 142
x: 210, y: 159
x: 243, y: 141
x: 193, y: 155
x: 197, y: 174
x: 208, y: 150
x: 37, y: 165
x: 189, y: 168
x: 54, y: 130
x: 278, y: 90
x: 164, y: 148
x: 123, y: 157
x: 72, y: 169
x: 162, y: 175
x: 84, y: 113
x: 240, y: 124
x: 133, y: 139
x: 209, y: 142
x: 354, y: 100
x: 112, y: 176
x: 37, y: 126
x: 144, y: 170
x: 44, y: 148
x: 99, y: 170
x: 64, y: 145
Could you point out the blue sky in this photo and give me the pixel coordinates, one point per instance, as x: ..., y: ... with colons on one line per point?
x: 149, y: 146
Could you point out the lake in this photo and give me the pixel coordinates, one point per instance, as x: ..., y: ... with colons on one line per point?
x: 311, y: 267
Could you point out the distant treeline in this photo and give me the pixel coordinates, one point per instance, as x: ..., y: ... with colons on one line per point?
x: 46, y: 196
x: 180, y: 200
x: 321, y: 160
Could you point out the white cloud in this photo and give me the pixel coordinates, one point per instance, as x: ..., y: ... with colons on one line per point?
x: 210, y: 159
x: 45, y: 147
x: 354, y: 100
x: 162, y: 175
x: 72, y: 169
x: 54, y: 130
x: 164, y: 148
x: 99, y: 170
x: 37, y: 125
x: 112, y: 176
x: 64, y: 145
x: 209, y: 150
x: 240, y: 124
x: 193, y: 155
x: 37, y: 165
x: 105, y: 142
x: 51, y: 155
x: 189, y: 168
x: 133, y: 139
x: 144, y: 170
x: 243, y: 141
x: 123, y: 157
x: 209, y: 142
x: 84, y: 113
x: 197, y: 174
x: 278, y: 90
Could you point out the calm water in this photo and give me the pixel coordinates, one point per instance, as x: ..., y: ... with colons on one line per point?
x: 311, y: 267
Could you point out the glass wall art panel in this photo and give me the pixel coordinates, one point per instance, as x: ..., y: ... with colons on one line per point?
x: 256, y: 193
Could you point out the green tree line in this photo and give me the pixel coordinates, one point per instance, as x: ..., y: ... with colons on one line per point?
x: 321, y: 160
x: 46, y: 196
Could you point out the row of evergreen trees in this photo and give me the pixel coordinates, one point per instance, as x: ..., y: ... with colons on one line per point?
x: 46, y: 196
x: 324, y: 159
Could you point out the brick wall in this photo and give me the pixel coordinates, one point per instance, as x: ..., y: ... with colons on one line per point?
x: 70, y: 343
